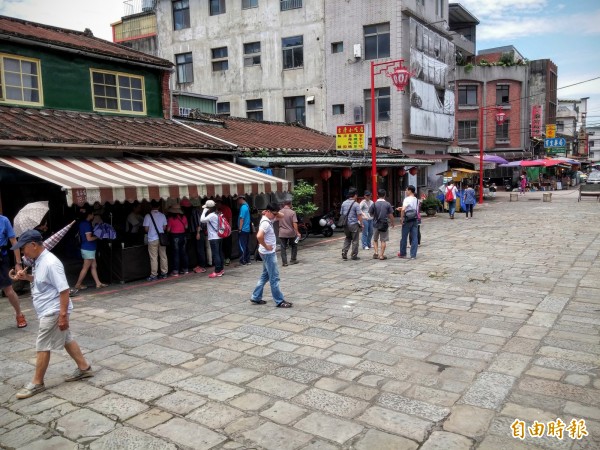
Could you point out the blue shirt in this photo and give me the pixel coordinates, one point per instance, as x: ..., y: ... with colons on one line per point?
x: 245, y: 214
x: 49, y: 281
x: 6, y: 232
x: 470, y: 197
x: 352, y: 209
x: 86, y: 227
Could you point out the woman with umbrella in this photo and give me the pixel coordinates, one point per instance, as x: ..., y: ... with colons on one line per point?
x: 88, y: 250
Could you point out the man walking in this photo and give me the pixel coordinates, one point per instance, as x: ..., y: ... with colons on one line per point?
x: 267, y: 242
x: 367, y: 220
x: 351, y: 210
x: 383, y: 214
x: 155, y: 223
x: 244, y: 229
x: 7, y: 234
x: 50, y: 294
x: 288, y: 233
x: 408, y: 213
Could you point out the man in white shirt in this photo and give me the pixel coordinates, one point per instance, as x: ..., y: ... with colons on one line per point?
x: 50, y: 294
x: 267, y: 244
x: 367, y: 232
x: 155, y: 223
x: 409, y: 223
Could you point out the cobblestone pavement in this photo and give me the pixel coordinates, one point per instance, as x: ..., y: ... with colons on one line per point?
x: 497, y: 319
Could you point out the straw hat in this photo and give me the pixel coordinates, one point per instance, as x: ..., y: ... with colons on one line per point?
x: 175, y: 209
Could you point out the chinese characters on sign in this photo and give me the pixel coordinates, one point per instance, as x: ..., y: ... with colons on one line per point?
x: 536, y: 120
x: 350, y: 137
x: 550, y: 131
x: 556, y: 428
x: 79, y: 196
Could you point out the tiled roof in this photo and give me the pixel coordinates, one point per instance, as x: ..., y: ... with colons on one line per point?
x: 68, y: 127
x: 46, y: 34
x: 275, y: 137
x: 276, y: 161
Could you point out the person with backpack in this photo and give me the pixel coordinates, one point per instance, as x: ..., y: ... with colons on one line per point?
x: 351, y: 219
x: 408, y: 214
x: 213, y: 222
x: 225, y: 210
x: 155, y: 225
x: 450, y: 197
x: 267, y: 241
x: 382, y: 214
x: 177, y: 226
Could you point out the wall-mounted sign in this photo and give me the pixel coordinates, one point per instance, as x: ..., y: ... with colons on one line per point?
x: 350, y: 137
x: 536, y: 120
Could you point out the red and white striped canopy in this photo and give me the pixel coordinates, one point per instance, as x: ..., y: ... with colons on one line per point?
x: 87, y: 180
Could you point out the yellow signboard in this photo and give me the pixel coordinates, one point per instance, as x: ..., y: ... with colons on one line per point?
x: 350, y: 137
x: 550, y: 131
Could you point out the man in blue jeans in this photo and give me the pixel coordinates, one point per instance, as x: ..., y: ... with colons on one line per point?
x: 409, y: 225
x: 244, y: 228
x: 267, y: 242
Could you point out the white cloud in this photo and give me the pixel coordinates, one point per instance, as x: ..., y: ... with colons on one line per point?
x: 72, y: 14
x: 484, y: 9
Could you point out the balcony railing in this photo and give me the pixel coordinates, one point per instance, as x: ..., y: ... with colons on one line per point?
x: 132, y: 7
x: 290, y: 4
x: 135, y: 28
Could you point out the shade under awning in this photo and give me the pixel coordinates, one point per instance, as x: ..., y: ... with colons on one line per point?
x: 87, y: 180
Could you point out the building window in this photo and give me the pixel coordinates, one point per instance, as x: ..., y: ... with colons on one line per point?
x: 185, y: 68
x: 560, y: 126
x: 502, y: 131
x: 181, y: 14
x: 382, y: 104
x: 252, y: 54
x: 20, y: 80
x: 338, y: 109
x: 467, y: 95
x: 295, y: 110
x: 337, y: 47
x: 290, y: 4
x: 219, y: 59
x: 293, y: 52
x: 216, y: 7
x: 118, y: 92
x: 502, y: 94
x: 247, y: 4
x: 439, y: 8
x: 467, y: 130
x: 254, y: 109
x: 377, y: 41
x: 224, y: 108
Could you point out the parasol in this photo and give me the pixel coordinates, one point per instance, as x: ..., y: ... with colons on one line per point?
x: 494, y: 159
x: 29, y: 217
x: 50, y: 243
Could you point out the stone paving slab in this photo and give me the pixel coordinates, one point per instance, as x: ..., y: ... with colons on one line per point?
x: 441, y: 352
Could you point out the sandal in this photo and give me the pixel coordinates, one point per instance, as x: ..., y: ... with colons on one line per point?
x: 383, y: 257
x: 21, y: 322
x: 80, y: 288
x: 375, y: 256
x: 101, y: 285
x: 284, y: 304
x: 258, y: 302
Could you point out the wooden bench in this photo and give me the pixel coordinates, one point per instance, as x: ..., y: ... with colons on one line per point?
x: 589, y: 190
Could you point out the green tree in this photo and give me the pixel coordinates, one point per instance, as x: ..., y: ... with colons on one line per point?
x: 302, y: 198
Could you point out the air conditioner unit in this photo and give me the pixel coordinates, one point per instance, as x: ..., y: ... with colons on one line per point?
x: 358, y: 114
x: 357, y: 51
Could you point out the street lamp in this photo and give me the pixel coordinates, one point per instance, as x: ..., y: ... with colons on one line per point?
x: 400, y: 76
x: 500, y: 117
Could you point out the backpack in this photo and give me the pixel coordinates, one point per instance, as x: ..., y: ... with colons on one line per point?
x: 449, y: 195
x: 224, y: 227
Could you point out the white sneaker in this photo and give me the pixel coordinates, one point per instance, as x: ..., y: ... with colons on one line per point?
x: 365, y: 248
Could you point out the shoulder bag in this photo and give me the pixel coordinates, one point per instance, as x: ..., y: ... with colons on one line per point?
x: 343, y: 220
x: 162, y: 237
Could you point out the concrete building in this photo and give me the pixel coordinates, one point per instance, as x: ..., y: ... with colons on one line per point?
x: 594, y: 143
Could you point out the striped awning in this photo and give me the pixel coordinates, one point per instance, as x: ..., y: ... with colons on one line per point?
x: 88, y: 180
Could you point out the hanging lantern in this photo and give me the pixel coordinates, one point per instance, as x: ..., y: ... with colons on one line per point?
x: 400, y: 77
x: 401, y: 171
x: 500, y: 117
x: 413, y: 171
x: 325, y: 174
x: 347, y: 172
x: 383, y: 172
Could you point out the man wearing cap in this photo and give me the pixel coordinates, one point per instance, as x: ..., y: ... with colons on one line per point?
x: 211, y: 219
x: 367, y: 221
x: 222, y: 208
x: 155, y: 223
x: 50, y: 295
x: 267, y: 242
x: 351, y: 210
x: 7, y: 235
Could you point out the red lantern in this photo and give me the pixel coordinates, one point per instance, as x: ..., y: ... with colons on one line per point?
x: 401, y: 171
x: 500, y: 118
x: 400, y: 77
x: 325, y: 174
x: 413, y: 171
x: 383, y: 172
x: 347, y: 172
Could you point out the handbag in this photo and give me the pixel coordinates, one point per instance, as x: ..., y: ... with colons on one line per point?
x: 163, y: 239
x: 343, y: 220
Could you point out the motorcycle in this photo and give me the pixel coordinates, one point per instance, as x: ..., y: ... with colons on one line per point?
x: 324, y: 224
x: 508, y: 185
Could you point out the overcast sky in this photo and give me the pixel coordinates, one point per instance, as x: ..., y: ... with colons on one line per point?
x: 565, y: 31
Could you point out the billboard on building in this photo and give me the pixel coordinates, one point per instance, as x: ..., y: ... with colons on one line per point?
x: 537, y: 118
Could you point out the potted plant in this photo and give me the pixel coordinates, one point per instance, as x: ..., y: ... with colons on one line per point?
x: 302, y: 198
x: 431, y: 205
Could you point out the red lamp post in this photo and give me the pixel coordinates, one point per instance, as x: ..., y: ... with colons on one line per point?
x: 400, y: 76
x: 500, y: 117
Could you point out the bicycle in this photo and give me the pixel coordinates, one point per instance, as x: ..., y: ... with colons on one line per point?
x: 304, y: 230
